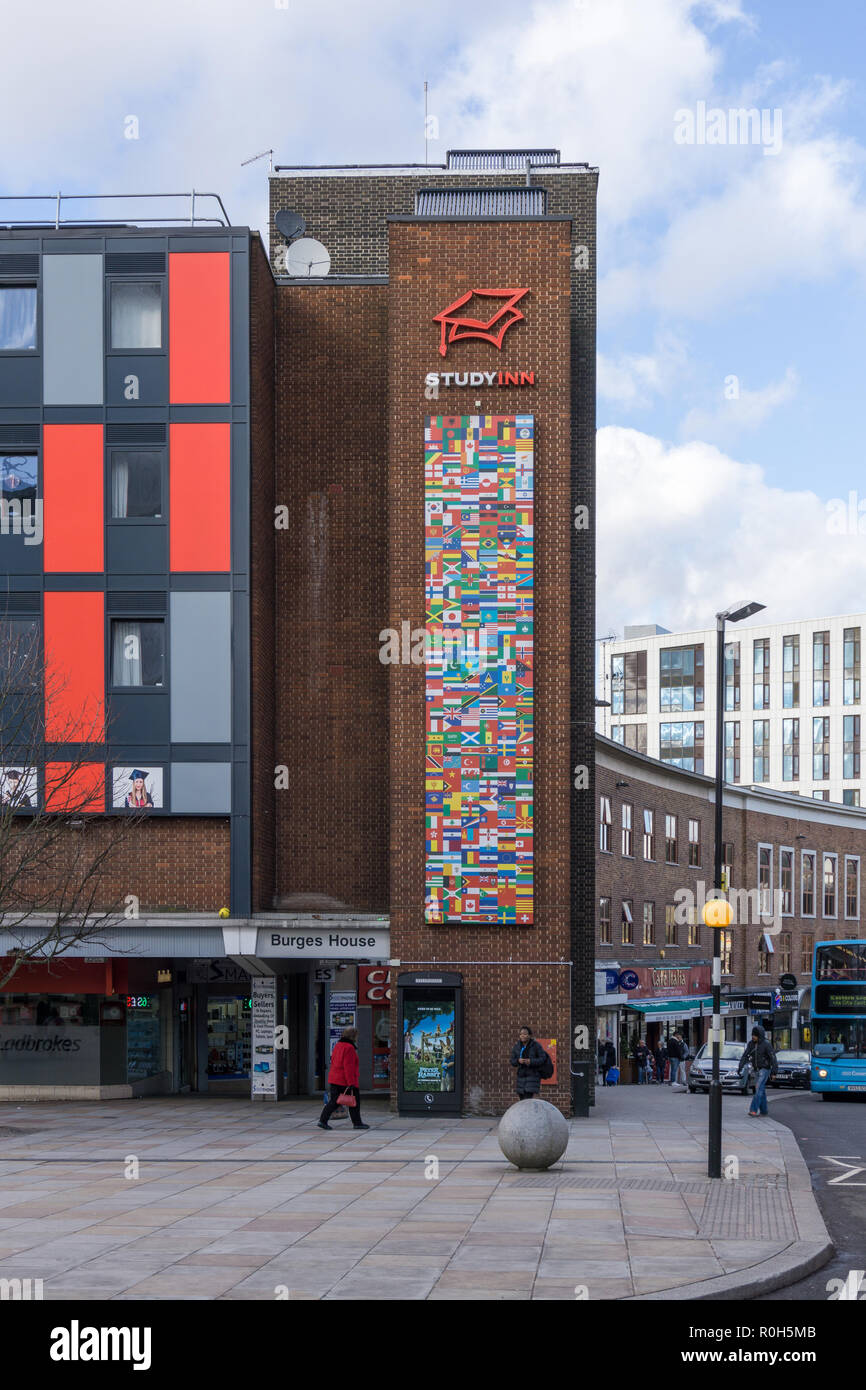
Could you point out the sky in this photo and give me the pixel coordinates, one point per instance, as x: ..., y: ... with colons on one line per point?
x: 731, y: 271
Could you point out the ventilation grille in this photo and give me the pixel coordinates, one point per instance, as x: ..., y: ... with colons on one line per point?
x: 19, y: 263
x: 481, y: 202
x: 135, y: 262
x: 118, y: 601
x: 24, y: 603
x: 135, y: 434
x: 499, y: 159
x: 10, y: 435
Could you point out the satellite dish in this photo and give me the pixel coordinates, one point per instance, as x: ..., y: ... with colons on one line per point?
x: 307, y: 257
x: 289, y: 224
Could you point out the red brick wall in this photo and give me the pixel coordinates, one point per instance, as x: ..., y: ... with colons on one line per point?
x: 430, y: 264
x: 331, y: 721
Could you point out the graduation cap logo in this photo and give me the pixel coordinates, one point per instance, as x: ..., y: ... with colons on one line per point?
x: 490, y: 320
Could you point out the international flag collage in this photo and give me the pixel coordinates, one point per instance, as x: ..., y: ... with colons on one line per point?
x: 478, y: 481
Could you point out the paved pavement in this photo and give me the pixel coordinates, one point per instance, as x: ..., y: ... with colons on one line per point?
x: 197, y: 1198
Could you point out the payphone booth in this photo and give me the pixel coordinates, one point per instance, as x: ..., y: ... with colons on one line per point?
x: 430, y: 1043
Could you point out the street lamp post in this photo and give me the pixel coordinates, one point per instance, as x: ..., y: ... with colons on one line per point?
x: 716, y: 918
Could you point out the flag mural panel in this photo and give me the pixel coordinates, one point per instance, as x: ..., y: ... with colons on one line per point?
x: 478, y: 480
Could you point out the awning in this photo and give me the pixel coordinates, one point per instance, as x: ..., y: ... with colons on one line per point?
x: 665, y: 1008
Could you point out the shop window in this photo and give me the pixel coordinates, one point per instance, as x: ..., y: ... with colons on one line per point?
x: 136, y: 314
x: 136, y: 484
x: 229, y: 1037
x: 143, y: 1056
x: 138, y: 653
x: 17, y: 318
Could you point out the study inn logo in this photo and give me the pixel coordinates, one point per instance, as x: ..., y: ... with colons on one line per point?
x: 469, y: 317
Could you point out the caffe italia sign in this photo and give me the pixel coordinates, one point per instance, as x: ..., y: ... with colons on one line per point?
x: 488, y: 314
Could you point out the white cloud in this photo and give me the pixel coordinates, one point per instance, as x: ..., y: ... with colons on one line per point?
x: 736, y: 413
x: 633, y: 380
x: 683, y: 529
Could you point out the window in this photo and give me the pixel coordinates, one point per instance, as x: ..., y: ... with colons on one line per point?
x: 671, y: 856
x: 20, y: 659
x: 807, y: 946
x: 765, y: 956
x: 852, y: 887
x: 761, y: 681
x: 727, y: 952
x: 628, y: 683
x: 670, y: 925
x: 136, y: 484
x: 807, y: 883
x: 790, y: 750
x: 627, y: 924
x: 791, y: 672
x: 851, y: 745
x: 627, y: 829
x: 820, y: 796
x: 681, y: 678
x: 830, y: 885
x: 630, y: 736
x: 850, y: 796
x: 18, y: 318
x: 820, y: 749
x: 694, y: 844
x: 786, y: 882
x: 732, y: 751
x: 136, y: 314
x: 851, y: 673
x: 732, y: 675
x: 18, y: 483
x: 649, y: 924
x: 682, y: 745
x: 604, y: 928
x: 694, y: 936
x: 649, y: 835
x: 820, y: 668
x: 727, y: 864
x: 604, y: 826
x: 784, y: 951
x: 138, y: 653
x: 765, y: 880
x: 761, y: 750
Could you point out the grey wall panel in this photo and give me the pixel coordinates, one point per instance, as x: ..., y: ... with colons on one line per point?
x: 200, y: 672
x: 20, y: 381
x: 152, y: 380
x: 201, y: 786
x: 72, y: 288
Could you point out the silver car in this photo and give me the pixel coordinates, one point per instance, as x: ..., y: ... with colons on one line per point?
x: 729, y: 1060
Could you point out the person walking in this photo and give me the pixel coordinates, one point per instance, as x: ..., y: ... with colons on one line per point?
x: 660, y: 1057
x: 608, y: 1059
x: 527, y: 1056
x: 675, y: 1057
x: 641, y: 1057
x: 760, y: 1055
x: 344, y: 1075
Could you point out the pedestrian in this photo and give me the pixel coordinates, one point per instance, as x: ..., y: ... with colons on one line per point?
x: 760, y: 1055
x: 608, y: 1060
x: 344, y: 1076
x: 675, y: 1057
x: 660, y: 1057
x: 641, y: 1057
x: 527, y: 1056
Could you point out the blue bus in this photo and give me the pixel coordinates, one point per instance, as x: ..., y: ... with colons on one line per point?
x: 839, y: 1018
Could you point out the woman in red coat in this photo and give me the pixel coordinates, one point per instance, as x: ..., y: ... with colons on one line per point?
x: 343, y: 1075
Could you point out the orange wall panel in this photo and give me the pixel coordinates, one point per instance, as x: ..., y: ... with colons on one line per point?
x: 74, y: 667
x: 199, y: 327
x: 74, y: 787
x: 199, y: 470
x: 72, y: 471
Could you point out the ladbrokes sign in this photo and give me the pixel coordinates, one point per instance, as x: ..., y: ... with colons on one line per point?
x: 487, y: 314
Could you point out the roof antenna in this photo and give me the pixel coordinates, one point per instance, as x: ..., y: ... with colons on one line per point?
x: 252, y: 159
x: 426, y: 140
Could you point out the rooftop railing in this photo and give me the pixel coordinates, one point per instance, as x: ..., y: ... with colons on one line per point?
x: 190, y: 215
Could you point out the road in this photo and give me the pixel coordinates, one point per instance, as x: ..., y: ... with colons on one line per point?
x: 832, y: 1139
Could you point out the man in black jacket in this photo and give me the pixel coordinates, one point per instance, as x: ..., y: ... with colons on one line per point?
x: 675, y: 1057
x: 760, y: 1055
x: 641, y: 1057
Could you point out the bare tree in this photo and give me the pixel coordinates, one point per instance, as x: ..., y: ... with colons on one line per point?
x: 59, y: 850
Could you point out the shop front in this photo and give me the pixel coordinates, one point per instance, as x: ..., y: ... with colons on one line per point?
x: 663, y: 1000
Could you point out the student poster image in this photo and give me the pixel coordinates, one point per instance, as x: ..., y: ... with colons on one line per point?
x: 428, y: 1045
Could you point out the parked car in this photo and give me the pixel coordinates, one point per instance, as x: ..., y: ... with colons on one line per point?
x: 795, y: 1069
x: 729, y: 1060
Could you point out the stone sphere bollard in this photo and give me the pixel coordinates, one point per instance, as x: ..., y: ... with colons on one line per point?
x: 533, y: 1134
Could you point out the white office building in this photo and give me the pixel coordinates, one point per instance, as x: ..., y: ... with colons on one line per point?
x: 792, y: 702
